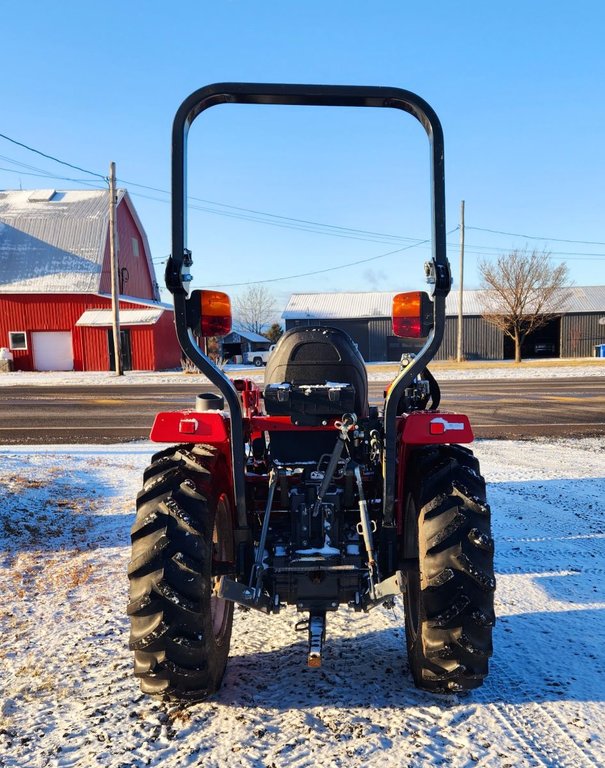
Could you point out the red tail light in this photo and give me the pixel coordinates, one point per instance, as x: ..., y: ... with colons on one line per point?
x: 412, y: 315
x: 209, y: 313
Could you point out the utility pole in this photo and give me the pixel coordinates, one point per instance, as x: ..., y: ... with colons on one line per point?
x: 461, y: 288
x: 115, y: 290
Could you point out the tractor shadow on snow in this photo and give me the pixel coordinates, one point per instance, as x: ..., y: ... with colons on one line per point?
x: 550, y: 530
x: 538, y: 657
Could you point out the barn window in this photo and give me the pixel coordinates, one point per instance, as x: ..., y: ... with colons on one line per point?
x: 17, y: 340
x: 135, y: 247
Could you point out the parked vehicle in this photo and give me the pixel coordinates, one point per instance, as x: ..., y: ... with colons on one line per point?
x: 302, y: 493
x: 259, y: 357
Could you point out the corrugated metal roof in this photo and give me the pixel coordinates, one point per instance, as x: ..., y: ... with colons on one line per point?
x: 330, y: 306
x: 588, y: 298
x: 52, y: 242
x: 333, y: 306
x: 104, y: 317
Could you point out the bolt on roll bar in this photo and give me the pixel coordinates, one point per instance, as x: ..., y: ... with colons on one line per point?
x: 178, y: 268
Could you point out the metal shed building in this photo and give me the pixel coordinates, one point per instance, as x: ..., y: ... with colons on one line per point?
x: 366, y: 317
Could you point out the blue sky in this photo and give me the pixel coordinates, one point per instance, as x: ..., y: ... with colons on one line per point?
x: 518, y: 87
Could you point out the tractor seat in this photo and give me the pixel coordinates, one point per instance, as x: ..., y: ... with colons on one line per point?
x: 308, y: 373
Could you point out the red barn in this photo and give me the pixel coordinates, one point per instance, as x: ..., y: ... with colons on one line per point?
x: 55, y: 284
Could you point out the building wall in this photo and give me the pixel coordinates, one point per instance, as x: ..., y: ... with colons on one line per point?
x: 580, y: 333
x: 153, y: 347
x: 480, y: 340
x: 42, y: 313
x: 377, y: 343
x: 167, y: 352
x: 139, y: 282
x: 378, y: 331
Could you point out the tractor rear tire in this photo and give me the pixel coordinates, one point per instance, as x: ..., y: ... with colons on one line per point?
x: 181, y: 538
x: 448, y: 555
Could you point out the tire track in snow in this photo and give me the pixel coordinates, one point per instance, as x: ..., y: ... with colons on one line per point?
x: 542, y: 730
x: 521, y: 735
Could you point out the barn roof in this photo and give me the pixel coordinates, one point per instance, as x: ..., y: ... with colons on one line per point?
x: 343, y: 306
x: 54, y: 241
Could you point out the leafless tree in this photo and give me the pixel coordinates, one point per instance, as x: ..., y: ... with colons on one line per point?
x: 523, y: 292
x: 255, y: 308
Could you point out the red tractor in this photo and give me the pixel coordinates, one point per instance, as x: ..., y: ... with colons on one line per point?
x: 301, y: 493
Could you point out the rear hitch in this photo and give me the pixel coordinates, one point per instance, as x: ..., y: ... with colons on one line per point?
x: 316, y: 626
x: 317, y: 635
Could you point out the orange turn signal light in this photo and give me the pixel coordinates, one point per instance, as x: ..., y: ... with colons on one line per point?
x: 215, y: 313
x: 412, y: 315
x: 209, y: 313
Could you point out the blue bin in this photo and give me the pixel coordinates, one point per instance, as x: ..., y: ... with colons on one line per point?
x: 599, y: 350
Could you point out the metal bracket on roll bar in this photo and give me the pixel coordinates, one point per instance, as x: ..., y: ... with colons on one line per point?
x: 439, y: 276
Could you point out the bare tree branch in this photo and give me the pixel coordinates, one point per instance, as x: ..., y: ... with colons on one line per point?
x: 255, y: 308
x: 523, y: 292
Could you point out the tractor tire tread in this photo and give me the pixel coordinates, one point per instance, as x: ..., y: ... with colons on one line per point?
x: 451, y: 645
x: 176, y: 654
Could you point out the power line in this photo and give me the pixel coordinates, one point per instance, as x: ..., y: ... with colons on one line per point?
x: 51, y: 157
x: 535, y: 237
x: 328, y: 269
x: 288, y: 222
x: 317, y: 272
x: 50, y: 176
x: 248, y: 214
x: 267, y: 214
x: 295, y: 224
x: 474, y: 249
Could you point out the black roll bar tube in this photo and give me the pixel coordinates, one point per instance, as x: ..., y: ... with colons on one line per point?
x: 178, y: 274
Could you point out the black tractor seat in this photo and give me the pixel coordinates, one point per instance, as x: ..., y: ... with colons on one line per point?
x: 314, y: 373
x: 317, y: 371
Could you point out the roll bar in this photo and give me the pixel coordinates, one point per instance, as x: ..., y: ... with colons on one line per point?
x: 178, y: 268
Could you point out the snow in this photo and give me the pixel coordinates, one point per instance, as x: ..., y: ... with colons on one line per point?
x: 69, y: 699
x: 376, y: 372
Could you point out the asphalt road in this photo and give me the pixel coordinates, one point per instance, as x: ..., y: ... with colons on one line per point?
x: 107, y: 414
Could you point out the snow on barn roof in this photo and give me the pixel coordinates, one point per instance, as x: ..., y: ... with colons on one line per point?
x: 104, y: 317
x: 333, y: 306
x: 53, y: 241
x: 142, y: 302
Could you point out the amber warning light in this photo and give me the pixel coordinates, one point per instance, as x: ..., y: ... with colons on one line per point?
x: 209, y: 313
x: 412, y: 315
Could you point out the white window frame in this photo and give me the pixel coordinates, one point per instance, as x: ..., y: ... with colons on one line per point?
x: 11, y: 345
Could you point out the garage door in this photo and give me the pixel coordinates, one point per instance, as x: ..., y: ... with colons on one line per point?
x: 53, y: 351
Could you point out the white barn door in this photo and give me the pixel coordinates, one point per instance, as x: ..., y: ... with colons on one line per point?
x: 53, y: 350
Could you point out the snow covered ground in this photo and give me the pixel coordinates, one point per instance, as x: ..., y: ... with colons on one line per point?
x: 68, y: 697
